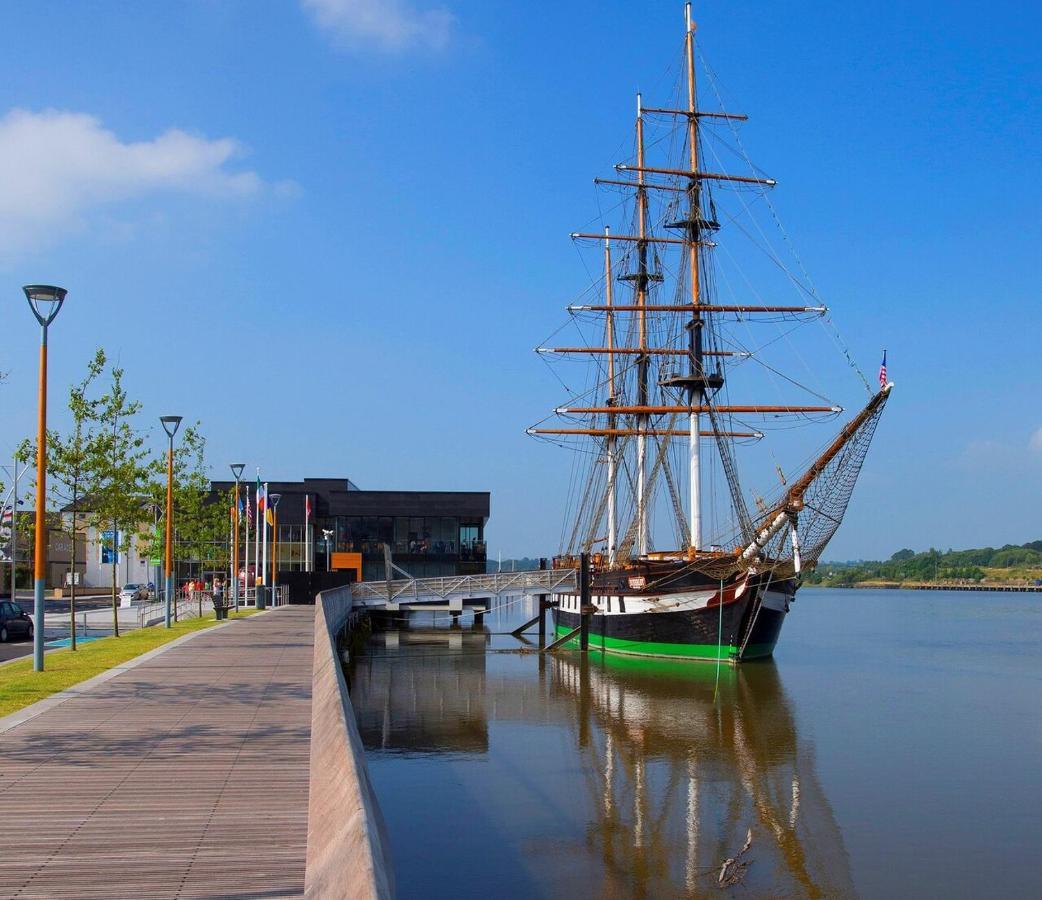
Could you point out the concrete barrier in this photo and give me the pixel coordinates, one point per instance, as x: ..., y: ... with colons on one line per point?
x: 348, y: 853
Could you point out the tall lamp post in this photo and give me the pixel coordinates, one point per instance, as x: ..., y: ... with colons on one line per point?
x: 170, y: 426
x: 274, y: 499
x: 328, y: 533
x: 45, y: 301
x: 237, y: 472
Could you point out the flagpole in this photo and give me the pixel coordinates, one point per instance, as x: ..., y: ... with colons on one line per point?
x: 246, y: 577
x: 264, y: 537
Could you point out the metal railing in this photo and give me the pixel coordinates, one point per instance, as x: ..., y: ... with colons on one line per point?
x: 404, y: 590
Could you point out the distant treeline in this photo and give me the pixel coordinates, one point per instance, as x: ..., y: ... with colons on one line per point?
x: 524, y: 564
x: 931, y: 565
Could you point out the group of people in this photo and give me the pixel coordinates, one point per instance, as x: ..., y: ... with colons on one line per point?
x: 198, y: 584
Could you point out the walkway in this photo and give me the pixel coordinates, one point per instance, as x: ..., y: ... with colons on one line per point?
x: 185, y: 776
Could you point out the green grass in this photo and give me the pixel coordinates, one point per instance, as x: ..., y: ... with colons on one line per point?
x: 20, y: 686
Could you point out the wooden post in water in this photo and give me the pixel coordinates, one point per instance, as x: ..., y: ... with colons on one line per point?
x: 542, y: 608
x: 586, y: 607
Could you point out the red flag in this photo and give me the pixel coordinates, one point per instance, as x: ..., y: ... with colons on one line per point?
x: 307, y: 508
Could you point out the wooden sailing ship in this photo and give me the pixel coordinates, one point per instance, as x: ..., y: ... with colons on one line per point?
x: 657, y: 414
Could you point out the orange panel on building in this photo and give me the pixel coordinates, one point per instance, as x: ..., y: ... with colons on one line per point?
x: 348, y: 561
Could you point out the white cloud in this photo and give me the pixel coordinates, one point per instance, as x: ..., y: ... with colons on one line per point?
x: 1035, y: 443
x: 386, y: 24
x: 57, y: 167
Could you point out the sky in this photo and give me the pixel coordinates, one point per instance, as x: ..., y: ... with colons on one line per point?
x: 334, y: 230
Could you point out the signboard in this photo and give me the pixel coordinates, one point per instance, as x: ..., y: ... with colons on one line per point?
x: 72, y: 579
x: 109, y: 551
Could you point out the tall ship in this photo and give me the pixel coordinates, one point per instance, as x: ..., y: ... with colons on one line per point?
x: 682, y: 383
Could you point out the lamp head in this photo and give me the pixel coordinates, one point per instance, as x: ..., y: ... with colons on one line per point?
x: 44, y: 300
x: 237, y: 470
x: 170, y: 424
x: 275, y: 498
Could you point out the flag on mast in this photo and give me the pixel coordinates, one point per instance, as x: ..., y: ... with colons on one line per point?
x: 882, y: 372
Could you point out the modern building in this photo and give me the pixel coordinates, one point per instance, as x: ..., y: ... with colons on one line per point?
x: 429, y: 533
x: 59, y: 554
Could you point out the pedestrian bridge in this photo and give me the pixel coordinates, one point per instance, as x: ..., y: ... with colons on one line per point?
x: 453, y: 591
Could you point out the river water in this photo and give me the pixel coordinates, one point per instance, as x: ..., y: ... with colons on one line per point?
x: 892, y: 747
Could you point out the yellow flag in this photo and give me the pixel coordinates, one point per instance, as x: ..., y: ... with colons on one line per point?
x: 269, y: 516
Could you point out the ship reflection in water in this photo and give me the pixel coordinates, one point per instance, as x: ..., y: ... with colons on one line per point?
x: 604, y: 777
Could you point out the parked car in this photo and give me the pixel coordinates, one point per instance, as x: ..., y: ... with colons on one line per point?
x: 132, y: 592
x: 14, y: 622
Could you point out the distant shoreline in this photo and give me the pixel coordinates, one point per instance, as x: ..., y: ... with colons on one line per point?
x: 931, y: 586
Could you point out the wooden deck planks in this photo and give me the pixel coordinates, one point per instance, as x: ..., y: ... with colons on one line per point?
x: 186, y: 776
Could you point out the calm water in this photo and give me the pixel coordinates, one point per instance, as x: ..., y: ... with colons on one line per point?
x: 893, y: 747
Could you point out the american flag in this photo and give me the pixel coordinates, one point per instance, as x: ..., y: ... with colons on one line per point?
x: 882, y: 372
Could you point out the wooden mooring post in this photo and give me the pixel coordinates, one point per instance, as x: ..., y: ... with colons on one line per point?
x: 586, y: 607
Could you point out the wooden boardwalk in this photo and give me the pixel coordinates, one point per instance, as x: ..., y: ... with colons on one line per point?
x: 186, y: 776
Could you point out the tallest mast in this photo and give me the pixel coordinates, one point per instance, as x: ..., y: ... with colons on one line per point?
x: 695, y: 391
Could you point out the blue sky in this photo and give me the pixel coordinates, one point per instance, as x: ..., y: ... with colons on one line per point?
x: 333, y: 230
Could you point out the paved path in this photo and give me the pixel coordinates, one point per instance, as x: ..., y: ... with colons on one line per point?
x: 185, y: 776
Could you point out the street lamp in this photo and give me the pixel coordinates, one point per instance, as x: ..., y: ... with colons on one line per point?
x: 328, y: 533
x: 170, y: 426
x: 237, y: 472
x: 45, y: 301
x: 274, y: 498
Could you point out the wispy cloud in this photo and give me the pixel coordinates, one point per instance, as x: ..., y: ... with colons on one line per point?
x: 389, y: 25
x: 986, y: 454
x: 57, y: 167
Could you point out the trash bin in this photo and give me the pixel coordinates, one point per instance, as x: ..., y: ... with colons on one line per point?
x: 220, y: 608
x: 262, y: 596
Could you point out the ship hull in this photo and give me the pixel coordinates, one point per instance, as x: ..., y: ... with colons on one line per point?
x: 696, y: 622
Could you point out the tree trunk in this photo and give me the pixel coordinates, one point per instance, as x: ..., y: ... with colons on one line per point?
x: 72, y: 587
x: 115, y: 568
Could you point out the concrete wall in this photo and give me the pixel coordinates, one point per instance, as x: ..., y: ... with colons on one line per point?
x: 348, y: 853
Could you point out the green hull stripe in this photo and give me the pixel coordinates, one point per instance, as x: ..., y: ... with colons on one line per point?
x: 674, y: 651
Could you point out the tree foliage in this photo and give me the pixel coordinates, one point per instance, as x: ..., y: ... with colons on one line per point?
x: 119, y: 467
x: 931, y: 565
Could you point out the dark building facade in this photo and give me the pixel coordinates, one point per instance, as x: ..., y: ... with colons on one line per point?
x: 430, y: 533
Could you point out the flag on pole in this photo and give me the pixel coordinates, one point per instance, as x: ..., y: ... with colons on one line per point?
x: 882, y: 372
x: 307, y: 508
x: 249, y: 508
x: 262, y: 496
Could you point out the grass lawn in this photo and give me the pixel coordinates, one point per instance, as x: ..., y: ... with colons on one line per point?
x: 20, y: 685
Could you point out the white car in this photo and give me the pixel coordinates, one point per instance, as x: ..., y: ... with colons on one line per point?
x: 132, y: 592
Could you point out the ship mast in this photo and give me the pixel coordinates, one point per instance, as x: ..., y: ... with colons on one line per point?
x: 695, y: 392
x: 613, y: 537
x: 642, y: 359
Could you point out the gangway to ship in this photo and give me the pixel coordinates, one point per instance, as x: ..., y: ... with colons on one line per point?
x: 453, y: 591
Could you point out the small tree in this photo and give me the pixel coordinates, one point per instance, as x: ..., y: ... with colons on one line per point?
x: 69, y: 458
x: 119, y: 467
x: 199, y: 522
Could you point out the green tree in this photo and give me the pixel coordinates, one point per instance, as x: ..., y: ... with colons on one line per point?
x: 119, y: 466
x: 200, y: 521
x: 69, y: 458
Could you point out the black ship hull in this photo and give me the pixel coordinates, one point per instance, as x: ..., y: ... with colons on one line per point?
x: 699, y: 622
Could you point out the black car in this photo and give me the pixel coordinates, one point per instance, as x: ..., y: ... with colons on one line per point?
x: 14, y: 622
